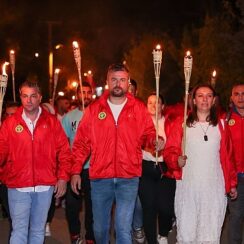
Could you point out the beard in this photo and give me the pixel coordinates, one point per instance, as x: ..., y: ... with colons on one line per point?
x: 117, y: 92
x: 86, y: 102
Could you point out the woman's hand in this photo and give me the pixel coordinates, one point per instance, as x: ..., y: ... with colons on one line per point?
x: 182, y: 161
x: 233, y: 193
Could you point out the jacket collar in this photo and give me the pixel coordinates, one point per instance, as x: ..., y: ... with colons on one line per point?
x: 18, y: 114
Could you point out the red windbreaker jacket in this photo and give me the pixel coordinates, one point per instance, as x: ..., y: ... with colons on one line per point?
x: 236, y: 127
x: 115, y: 148
x: 29, y: 160
x: 173, y: 150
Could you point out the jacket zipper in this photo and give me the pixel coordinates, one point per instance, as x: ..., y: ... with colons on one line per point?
x: 32, y: 136
x: 242, y: 142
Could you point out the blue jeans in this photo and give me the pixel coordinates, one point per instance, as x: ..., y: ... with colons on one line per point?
x: 137, y: 218
x: 104, y: 192
x: 28, y: 211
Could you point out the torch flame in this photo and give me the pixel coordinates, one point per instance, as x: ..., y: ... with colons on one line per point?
x: 158, y: 47
x: 57, y: 71
x: 214, y: 73
x: 11, y: 51
x: 188, y: 53
x: 75, y: 44
x: 4, y: 68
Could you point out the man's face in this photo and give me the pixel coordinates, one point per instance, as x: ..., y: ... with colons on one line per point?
x: 10, y: 111
x: 132, y: 90
x: 237, y: 96
x: 30, y: 99
x: 87, y: 96
x: 118, y: 83
x: 63, y: 105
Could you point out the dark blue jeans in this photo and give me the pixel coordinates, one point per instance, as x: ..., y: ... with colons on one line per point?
x: 104, y: 192
x: 236, y: 208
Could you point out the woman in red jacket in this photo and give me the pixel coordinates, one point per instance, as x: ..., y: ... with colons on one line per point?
x: 204, y: 174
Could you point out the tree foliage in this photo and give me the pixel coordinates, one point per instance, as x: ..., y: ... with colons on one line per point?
x: 218, y: 45
x: 139, y: 59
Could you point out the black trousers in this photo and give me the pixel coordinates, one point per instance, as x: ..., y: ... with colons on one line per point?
x: 4, y: 198
x: 157, y: 198
x: 51, y: 210
x: 73, y: 208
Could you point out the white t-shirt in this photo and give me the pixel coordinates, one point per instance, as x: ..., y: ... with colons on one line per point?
x: 161, y: 132
x: 116, y: 109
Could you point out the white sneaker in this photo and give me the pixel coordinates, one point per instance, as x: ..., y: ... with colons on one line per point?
x: 47, y: 230
x: 162, y: 240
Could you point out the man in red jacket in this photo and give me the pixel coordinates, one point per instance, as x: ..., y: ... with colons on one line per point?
x: 235, y: 119
x: 35, y: 155
x: 113, y: 130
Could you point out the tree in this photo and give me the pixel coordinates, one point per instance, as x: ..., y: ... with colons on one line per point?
x: 140, y: 62
x: 218, y: 44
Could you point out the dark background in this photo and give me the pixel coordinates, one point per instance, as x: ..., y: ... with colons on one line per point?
x: 110, y: 31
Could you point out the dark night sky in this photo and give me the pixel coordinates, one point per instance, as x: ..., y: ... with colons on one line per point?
x: 103, y: 27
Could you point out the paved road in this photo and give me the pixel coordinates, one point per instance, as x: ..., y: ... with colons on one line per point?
x: 60, y: 233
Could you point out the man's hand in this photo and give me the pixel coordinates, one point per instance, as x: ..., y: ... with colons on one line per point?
x: 182, y: 161
x: 160, y: 145
x: 60, y: 188
x: 76, y: 184
x: 233, y: 193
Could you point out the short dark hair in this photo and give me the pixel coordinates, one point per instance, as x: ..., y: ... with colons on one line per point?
x: 84, y: 84
x: 62, y: 98
x: 159, y: 96
x: 10, y: 104
x: 241, y: 83
x: 133, y: 83
x: 117, y: 67
x: 30, y: 84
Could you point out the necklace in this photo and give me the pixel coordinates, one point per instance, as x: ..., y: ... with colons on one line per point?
x: 205, y: 137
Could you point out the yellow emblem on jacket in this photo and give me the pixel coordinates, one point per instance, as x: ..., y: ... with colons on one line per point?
x: 19, y: 128
x: 231, y: 122
x: 102, y: 115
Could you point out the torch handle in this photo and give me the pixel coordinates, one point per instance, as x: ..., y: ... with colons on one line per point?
x: 54, y: 92
x: 156, y: 117
x: 13, y: 85
x: 184, y: 124
x: 1, y: 106
x: 81, y: 88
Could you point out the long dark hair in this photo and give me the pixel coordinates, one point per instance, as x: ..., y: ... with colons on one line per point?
x: 192, y: 117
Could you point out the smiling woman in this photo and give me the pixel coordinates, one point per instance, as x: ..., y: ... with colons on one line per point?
x: 205, y: 174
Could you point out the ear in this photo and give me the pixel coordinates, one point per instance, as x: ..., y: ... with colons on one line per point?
x: 162, y: 107
x: 194, y: 101
x: 214, y: 100
x: 231, y: 100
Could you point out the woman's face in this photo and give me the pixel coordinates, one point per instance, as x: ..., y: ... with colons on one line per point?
x: 151, y: 105
x: 204, y: 99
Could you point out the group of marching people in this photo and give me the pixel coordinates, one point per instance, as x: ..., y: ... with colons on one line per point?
x: 109, y: 150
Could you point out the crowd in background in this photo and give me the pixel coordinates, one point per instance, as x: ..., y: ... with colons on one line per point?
x: 107, y: 155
